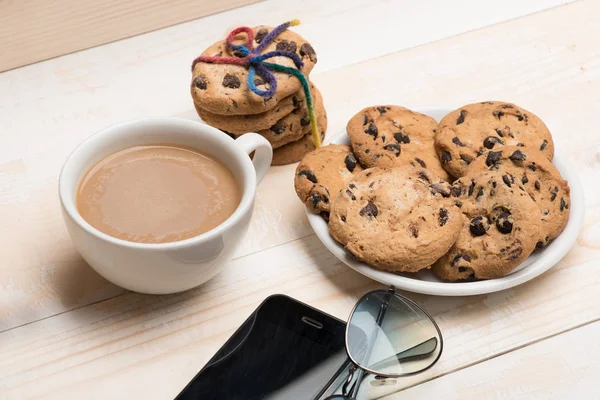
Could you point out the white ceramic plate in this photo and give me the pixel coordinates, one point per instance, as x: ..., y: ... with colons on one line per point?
x: 426, y: 282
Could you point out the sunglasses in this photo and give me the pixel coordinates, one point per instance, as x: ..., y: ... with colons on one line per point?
x: 388, y: 336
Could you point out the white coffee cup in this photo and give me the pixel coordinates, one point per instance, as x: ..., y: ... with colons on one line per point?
x: 164, y: 267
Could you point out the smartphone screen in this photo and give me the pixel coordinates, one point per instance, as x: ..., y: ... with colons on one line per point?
x: 285, y: 350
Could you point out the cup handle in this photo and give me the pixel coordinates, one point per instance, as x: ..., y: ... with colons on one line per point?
x: 263, y: 152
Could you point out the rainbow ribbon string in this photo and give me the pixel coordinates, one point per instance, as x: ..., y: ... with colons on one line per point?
x: 256, y: 63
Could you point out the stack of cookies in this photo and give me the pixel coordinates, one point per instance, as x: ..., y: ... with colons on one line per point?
x: 223, y: 99
x: 471, y: 197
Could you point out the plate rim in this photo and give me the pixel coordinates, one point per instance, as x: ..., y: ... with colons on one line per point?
x: 549, y: 257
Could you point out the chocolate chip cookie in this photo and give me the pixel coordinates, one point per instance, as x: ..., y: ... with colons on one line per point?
x: 501, y: 224
x: 471, y: 130
x: 294, y: 125
x: 240, y: 124
x: 223, y: 89
x: 295, y: 151
x: 390, y: 136
x: 322, y: 174
x: 540, y: 178
x: 397, y: 219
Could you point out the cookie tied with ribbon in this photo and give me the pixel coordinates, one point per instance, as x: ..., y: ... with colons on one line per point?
x: 252, y: 70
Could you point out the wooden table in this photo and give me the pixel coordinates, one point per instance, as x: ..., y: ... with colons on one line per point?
x: 66, y: 333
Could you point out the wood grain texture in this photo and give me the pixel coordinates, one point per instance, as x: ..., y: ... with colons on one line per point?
x: 36, y: 30
x: 54, y: 105
x: 562, y: 367
x: 149, y: 346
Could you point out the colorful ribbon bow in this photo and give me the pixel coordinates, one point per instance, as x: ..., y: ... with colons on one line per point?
x: 254, y: 61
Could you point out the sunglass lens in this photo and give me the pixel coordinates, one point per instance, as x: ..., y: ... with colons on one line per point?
x: 391, y: 336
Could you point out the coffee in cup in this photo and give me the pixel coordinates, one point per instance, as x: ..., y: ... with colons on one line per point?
x: 157, y: 193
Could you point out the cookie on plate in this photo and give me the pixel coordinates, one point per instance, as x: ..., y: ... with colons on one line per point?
x: 223, y: 88
x: 396, y: 219
x: 322, y: 174
x: 540, y: 178
x: 501, y: 227
x: 470, y: 130
x: 295, y: 151
x: 391, y: 136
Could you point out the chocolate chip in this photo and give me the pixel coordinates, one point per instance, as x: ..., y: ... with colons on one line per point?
x: 462, y: 269
x: 352, y: 196
x: 305, y: 121
x: 545, y: 212
x: 494, y: 184
x: 537, y: 185
x: 235, y: 104
x: 478, y: 226
x: 325, y: 215
x: 370, y: 210
x: 543, y: 145
x: 421, y: 162
x: 367, y: 151
x: 506, y: 106
x: 461, y: 117
x: 365, y: 119
x: 457, y: 142
x: 499, y: 132
x: 308, y: 175
x: 414, y: 232
x: 278, y: 128
x: 491, y: 141
x: 519, y: 117
x: 498, y: 114
x: 504, y: 222
x: 493, y: 157
x: 260, y: 35
x: 455, y: 191
x: 553, y: 193
x: 563, y: 204
x: 518, y: 155
x: 479, y: 194
x: 381, y: 109
x: 514, y: 254
x: 400, y: 138
x: 506, y: 180
x: 443, y: 218
x: 200, y: 82
x: 343, y: 219
x: 231, y: 81
x: 258, y: 81
x: 539, y: 244
x: 307, y: 50
x: 350, y: 162
x: 446, y: 157
x: 383, y: 138
x: 459, y: 257
x: 532, y: 167
x: 393, y: 147
x: 287, y: 45
x: 371, y: 184
x: 524, y: 179
x: 439, y: 188
x: 458, y: 203
x: 466, y: 159
x: 372, y: 130
x: 471, y: 188
x: 316, y: 199
x: 424, y: 176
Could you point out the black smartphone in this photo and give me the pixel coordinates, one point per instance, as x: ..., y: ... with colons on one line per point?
x: 284, y: 350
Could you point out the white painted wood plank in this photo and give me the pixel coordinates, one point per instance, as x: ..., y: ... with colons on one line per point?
x: 561, y: 367
x: 47, y: 108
